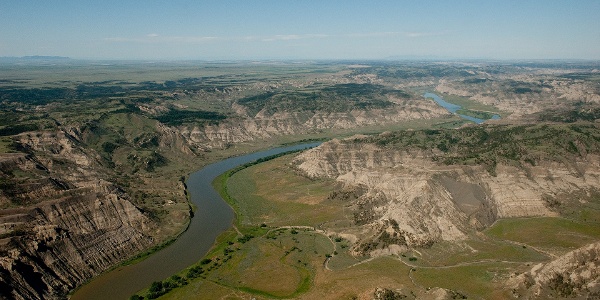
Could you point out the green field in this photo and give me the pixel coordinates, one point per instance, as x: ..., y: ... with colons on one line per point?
x: 484, y: 115
x: 474, y: 282
x: 272, y: 193
x: 555, y: 235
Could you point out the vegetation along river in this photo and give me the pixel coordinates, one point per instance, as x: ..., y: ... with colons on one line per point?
x: 453, y: 108
x: 212, y: 217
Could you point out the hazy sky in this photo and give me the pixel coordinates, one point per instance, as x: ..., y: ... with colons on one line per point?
x: 280, y: 29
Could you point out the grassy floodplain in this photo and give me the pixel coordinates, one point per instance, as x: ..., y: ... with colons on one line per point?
x: 271, y: 193
x: 554, y: 235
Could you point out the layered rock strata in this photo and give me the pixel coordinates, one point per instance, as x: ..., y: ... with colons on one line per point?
x: 71, y: 223
x: 264, y: 126
x: 576, y: 273
x: 411, y: 200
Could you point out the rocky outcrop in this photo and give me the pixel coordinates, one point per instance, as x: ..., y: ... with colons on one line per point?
x: 59, y: 246
x: 399, y: 187
x: 417, y: 200
x: 264, y: 126
x: 574, y: 273
x: 64, y: 221
x: 523, y: 94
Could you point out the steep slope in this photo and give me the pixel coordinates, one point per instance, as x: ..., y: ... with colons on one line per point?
x: 523, y: 93
x: 575, y: 273
x: 71, y: 224
x: 98, y: 165
x: 415, y: 194
x: 306, y: 122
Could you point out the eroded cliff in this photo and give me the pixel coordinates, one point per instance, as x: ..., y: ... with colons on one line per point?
x: 575, y: 273
x: 415, y: 195
x: 266, y: 125
x: 70, y: 222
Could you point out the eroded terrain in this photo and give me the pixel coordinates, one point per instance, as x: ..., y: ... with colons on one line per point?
x: 94, y: 158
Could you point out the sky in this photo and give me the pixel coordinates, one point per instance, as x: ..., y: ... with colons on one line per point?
x: 301, y: 29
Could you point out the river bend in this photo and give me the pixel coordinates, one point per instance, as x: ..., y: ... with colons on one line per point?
x: 212, y: 218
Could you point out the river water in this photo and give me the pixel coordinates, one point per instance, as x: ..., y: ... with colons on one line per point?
x: 212, y: 218
x: 453, y: 108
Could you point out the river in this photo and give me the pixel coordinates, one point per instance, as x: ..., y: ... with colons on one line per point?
x: 212, y: 218
x: 453, y: 108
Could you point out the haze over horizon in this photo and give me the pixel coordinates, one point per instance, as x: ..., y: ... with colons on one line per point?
x: 239, y: 30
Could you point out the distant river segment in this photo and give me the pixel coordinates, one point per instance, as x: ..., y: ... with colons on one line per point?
x: 212, y: 218
x: 453, y: 108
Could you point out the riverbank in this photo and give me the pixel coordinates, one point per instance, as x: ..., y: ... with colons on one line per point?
x: 289, y: 248
x: 212, y: 217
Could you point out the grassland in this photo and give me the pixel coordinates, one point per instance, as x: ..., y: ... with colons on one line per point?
x: 553, y: 235
x: 476, y: 250
x: 74, y: 72
x: 473, y: 281
x: 273, y: 194
x: 484, y: 115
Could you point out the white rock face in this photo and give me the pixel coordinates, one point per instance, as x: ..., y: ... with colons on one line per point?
x: 431, y: 201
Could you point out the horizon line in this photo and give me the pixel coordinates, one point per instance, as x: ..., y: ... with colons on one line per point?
x: 389, y: 58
